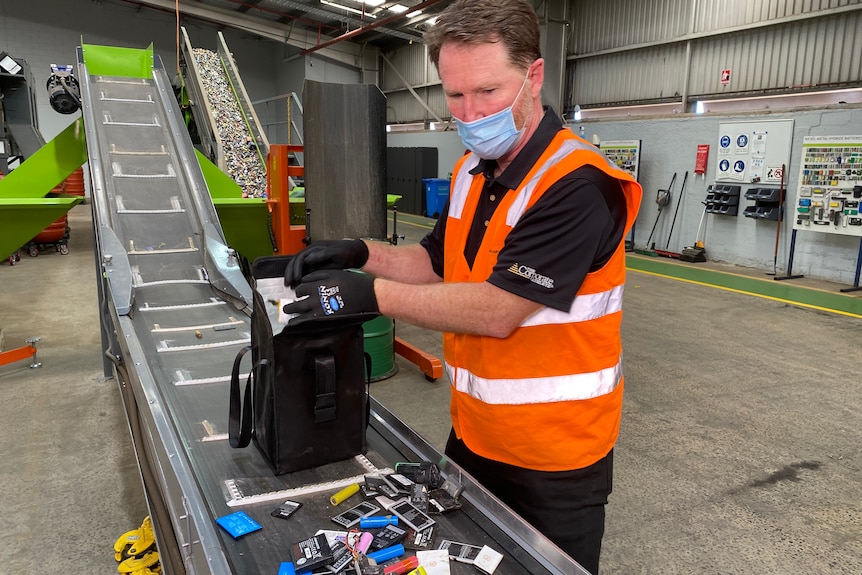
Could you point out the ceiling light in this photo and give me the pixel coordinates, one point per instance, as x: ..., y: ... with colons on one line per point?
x: 431, y: 21
x: 348, y: 8
x: 398, y: 8
x: 414, y: 13
x: 373, y: 2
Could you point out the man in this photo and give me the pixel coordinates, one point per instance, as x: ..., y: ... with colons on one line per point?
x: 523, y: 273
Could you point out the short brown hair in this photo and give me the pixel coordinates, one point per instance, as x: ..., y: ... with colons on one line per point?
x: 512, y: 22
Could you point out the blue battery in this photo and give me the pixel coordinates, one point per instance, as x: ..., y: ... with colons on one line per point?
x: 238, y: 524
x: 378, y: 521
x: 387, y: 554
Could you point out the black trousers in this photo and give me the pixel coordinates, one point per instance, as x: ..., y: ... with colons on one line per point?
x: 568, y: 507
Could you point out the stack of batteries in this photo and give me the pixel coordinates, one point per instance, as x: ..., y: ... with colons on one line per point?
x: 242, y: 159
x: 391, y: 532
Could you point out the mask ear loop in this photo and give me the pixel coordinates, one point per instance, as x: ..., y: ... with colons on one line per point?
x: 515, y: 101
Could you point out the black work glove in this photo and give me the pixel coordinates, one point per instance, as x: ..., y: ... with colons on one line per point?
x: 334, y: 295
x: 325, y: 255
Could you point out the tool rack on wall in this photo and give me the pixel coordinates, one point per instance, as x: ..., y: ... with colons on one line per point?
x: 767, y: 204
x: 624, y: 154
x: 722, y: 199
x: 829, y: 194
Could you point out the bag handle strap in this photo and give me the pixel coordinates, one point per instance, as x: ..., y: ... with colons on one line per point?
x: 240, y: 419
x: 325, y: 383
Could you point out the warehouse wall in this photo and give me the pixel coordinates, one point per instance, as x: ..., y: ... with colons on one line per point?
x: 627, y: 51
x: 291, y: 71
x: 448, y: 144
x: 669, y: 145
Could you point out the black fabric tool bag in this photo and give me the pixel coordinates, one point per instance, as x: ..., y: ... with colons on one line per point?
x: 306, y: 400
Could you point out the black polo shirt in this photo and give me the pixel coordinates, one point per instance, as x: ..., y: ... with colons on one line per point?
x: 571, y: 230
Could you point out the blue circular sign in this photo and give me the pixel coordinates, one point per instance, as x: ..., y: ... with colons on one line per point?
x: 724, y: 165
x: 742, y: 140
x: 725, y: 141
x: 739, y: 166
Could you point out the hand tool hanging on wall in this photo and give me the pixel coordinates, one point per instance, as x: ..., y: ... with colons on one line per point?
x: 662, y: 198
x: 676, y: 211
x: 778, y: 227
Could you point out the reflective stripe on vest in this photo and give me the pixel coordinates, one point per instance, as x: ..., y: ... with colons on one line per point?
x: 585, y: 307
x: 541, y: 389
x: 461, y: 186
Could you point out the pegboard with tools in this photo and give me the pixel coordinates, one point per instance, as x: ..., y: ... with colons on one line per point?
x: 830, y: 186
x: 625, y: 154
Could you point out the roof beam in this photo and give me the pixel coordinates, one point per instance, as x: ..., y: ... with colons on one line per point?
x: 355, y: 23
x: 346, y: 53
x: 375, y: 26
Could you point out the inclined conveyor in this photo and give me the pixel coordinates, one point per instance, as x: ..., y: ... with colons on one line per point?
x: 175, y: 311
x: 227, y: 124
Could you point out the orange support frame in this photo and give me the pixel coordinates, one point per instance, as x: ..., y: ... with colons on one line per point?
x: 427, y: 363
x: 289, y: 239
x: 21, y: 353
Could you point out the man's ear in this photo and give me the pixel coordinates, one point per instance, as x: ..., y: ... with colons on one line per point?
x: 537, y: 77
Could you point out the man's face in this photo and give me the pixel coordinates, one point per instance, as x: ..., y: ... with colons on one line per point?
x: 480, y: 80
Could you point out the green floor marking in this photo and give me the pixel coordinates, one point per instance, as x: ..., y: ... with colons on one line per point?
x: 413, y: 220
x: 780, y: 290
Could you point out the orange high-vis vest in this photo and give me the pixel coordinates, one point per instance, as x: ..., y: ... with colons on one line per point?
x: 549, y: 396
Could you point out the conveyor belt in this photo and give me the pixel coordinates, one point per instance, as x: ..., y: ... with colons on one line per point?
x: 175, y: 312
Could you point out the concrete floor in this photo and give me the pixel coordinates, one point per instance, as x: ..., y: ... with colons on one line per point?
x: 740, y: 451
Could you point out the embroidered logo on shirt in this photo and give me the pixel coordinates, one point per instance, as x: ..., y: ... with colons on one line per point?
x: 532, y: 275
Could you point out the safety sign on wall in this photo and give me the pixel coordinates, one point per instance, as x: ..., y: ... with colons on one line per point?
x: 830, y: 185
x: 625, y: 154
x: 753, y: 152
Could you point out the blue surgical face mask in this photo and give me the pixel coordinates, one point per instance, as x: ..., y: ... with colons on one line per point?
x: 493, y: 136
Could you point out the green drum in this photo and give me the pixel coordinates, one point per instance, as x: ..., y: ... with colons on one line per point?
x: 380, y: 345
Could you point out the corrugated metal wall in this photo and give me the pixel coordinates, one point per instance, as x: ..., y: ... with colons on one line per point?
x: 413, y: 65
x: 623, y: 52
x: 648, y: 75
x: 714, y: 14
x: 626, y: 51
x: 402, y: 107
x: 826, y: 52
x: 611, y: 24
